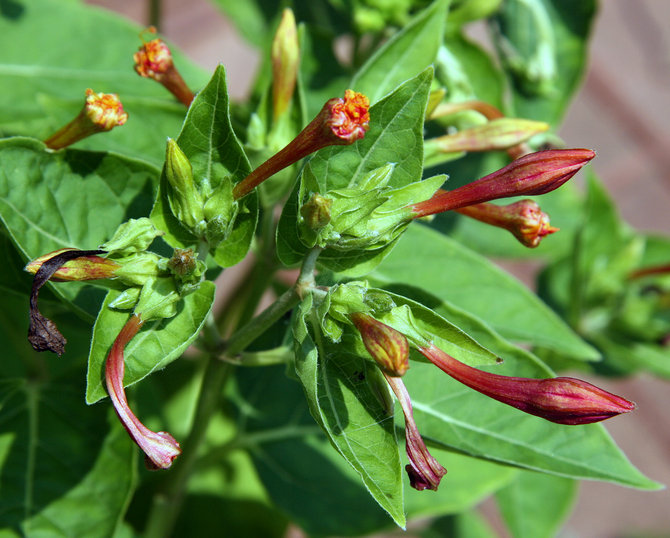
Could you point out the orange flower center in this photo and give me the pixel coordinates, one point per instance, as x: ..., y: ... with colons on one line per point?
x: 350, y: 117
x: 104, y: 110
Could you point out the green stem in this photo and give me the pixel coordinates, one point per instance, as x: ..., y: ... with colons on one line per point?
x: 167, y: 504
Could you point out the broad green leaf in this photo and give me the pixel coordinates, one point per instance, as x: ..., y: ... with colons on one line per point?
x: 208, y: 140
x: 395, y: 136
x: 44, y: 84
x: 155, y: 346
x: 66, y: 472
x: 467, y: 482
x: 403, y: 56
x: 534, y: 505
x: 469, y: 524
x: 439, y: 266
x: 348, y: 398
x: 543, y: 46
x: 71, y: 198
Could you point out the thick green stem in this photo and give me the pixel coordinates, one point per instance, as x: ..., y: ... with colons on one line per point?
x: 167, y: 504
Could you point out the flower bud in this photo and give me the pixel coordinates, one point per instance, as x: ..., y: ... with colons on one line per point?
x: 101, y: 112
x: 527, y: 222
x: 185, y: 200
x: 424, y: 471
x: 563, y: 400
x: 154, y: 60
x: 285, y: 63
x: 485, y: 109
x: 83, y: 267
x: 501, y: 133
x: 316, y: 211
x: 340, y: 122
x: 388, y: 347
x: 532, y: 174
x: 160, y: 448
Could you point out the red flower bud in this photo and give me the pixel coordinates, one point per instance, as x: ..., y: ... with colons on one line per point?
x: 154, y: 60
x: 388, y: 347
x: 340, y: 122
x: 424, y: 471
x: 160, y: 448
x: 101, y: 112
x: 535, y: 173
x: 527, y: 222
x: 83, y: 267
x: 563, y: 400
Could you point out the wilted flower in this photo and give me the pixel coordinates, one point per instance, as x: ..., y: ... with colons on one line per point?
x: 341, y: 121
x: 527, y: 222
x: 101, y: 112
x: 154, y: 60
x: 424, y: 471
x: 563, y: 400
x: 160, y: 448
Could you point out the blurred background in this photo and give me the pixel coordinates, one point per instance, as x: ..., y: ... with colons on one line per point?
x: 623, y: 113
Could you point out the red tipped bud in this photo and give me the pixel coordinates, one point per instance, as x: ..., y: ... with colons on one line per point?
x: 101, y: 112
x: 563, y: 400
x: 160, y: 448
x: 527, y: 222
x: 341, y: 121
x: 154, y: 60
x: 388, y: 347
x: 424, y: 471
x: 485, y: 109
x: 532, y: 174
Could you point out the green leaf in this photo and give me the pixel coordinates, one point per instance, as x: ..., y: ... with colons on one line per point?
x: 44, y: 84
x: 452, y: 273
x: 403, y: 56
x: 534, y: 505
x: 348, y: 398
x: 219, y: 162
x: 155, y: 346
x: 467, y: 482
x: 46, y: 199
x: 543, y: 46
x: 66, y: 472
x: 469, y: 524
x: 395, y: 136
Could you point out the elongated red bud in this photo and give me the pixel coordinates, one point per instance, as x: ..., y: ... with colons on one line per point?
x: 564, y: 400
x: 160, y: 448
x: 341, y: 121
x: 532, y: 174
x: 81, y: 267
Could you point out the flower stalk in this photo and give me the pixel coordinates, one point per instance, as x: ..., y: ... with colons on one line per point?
x: 341, y: 121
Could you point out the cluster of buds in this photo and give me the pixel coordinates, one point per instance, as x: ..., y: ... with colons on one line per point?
x: 562, y: 400
x: 154, y: 60
x: 101, y: 112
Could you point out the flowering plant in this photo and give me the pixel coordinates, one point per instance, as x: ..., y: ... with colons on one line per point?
x: 332, y: 189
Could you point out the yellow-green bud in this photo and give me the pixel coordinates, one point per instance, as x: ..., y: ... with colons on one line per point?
x: 388, y: 347
x: 185, y: 200
x: 316, y: 211
x: 285, y: 62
